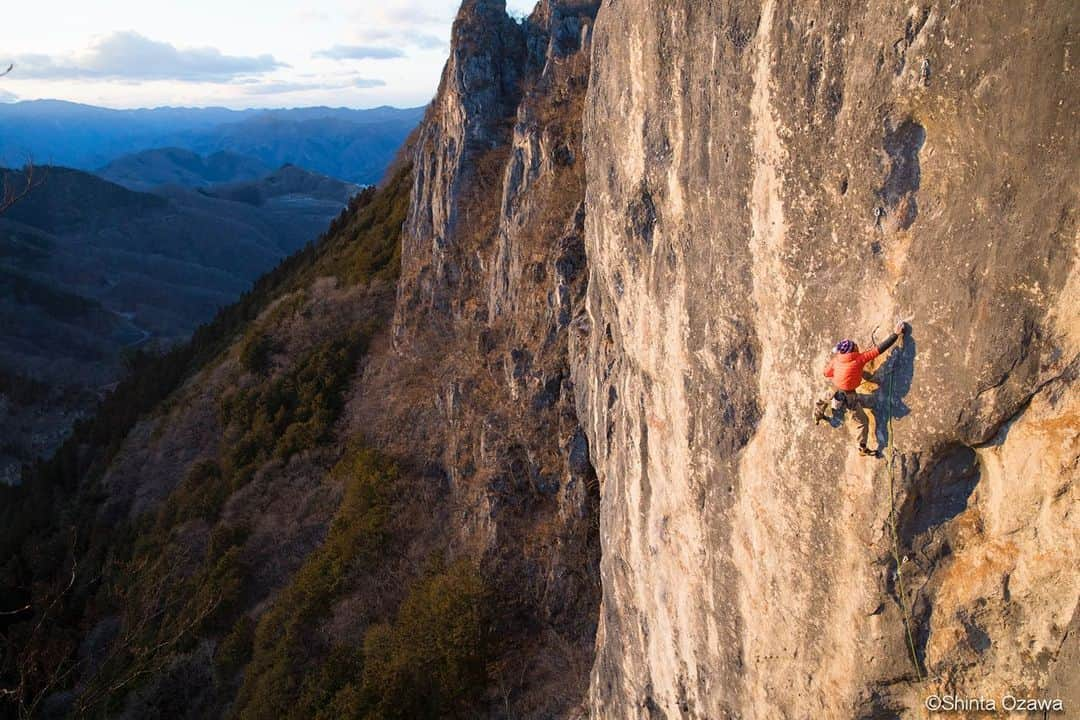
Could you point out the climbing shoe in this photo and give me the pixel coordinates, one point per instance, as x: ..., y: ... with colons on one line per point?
x: 821, y: 411
x: 863, y: 450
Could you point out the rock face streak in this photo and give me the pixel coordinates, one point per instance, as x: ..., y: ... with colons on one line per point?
x: 764, y: 179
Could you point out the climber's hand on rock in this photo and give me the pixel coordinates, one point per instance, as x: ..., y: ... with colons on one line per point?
x: 901, y: 328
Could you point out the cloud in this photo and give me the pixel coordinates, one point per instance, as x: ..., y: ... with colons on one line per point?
x: 406, y: 36
x: 423, y: 24
x: 6, y: 97
x: 360, y: 52
x: 283, y: 87
x: 309, y: 15
x: 430, y: 42
x: 366, y: 83
x: 412, y: 13
x: 131, y: 56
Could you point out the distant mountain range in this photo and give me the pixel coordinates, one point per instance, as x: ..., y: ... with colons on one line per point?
x: 285, y: 188
x: 354, y: 145
x: 149, y: 169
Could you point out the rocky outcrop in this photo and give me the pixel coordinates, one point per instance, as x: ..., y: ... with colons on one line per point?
x: 469, y: 389
x: 767, y: 178
x: 461, y: 382
x: 493, y: 271
x: 458, y: 153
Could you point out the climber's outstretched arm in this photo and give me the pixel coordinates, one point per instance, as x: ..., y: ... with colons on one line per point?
x: 888, y: 342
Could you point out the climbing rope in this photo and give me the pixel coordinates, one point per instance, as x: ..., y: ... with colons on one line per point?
x: 901, y: 594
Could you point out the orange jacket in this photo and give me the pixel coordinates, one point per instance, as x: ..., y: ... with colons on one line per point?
x: 846, y: 370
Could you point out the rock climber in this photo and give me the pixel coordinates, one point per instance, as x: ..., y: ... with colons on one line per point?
x: 845, y: 369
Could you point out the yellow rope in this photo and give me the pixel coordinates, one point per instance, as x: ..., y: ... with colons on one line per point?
x: 901, y: 594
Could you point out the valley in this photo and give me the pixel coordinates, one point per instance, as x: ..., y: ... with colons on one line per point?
x: 131, y: 258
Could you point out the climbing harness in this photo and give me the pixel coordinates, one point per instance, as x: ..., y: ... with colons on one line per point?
x: 901, y: 593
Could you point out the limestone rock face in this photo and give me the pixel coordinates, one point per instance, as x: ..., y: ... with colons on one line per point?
x: 458, y: 151
x: 764, y: 179
x: 477, y: 381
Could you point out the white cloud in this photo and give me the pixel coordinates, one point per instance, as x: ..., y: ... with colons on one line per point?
x: 411, y: 13
x: 6, y: 97
x: 287, y: 87
x: 404, y: 37
x: 430, y: 42
x: 310, y: 15
x: 360, y: 52
x: 128, y: 55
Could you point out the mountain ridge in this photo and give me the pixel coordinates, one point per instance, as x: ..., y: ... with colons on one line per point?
x: 326, y: 140
x: 147, y: 169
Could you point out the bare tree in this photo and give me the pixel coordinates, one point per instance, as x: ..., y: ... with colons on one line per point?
x: 15, y: 190
x: 155, y: 620
x: 40, y: 663
x: 12, y: 192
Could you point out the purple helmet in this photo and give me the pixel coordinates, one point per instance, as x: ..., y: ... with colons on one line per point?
x: 845, y: 346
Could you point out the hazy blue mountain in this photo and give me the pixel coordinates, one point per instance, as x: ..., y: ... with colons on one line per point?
x: 88, y: 137
x: 289, y: 184
x: 187, y: 212
x: 334, y: 146
x: 149, y: 169
x: 355, y: 145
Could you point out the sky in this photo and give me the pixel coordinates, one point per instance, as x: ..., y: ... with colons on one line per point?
x: 231, y: 53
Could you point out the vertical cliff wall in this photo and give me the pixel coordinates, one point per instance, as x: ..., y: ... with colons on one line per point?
x: 764, y: 179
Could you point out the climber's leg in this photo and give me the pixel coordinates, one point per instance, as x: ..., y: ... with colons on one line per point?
x: 855, y: 407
